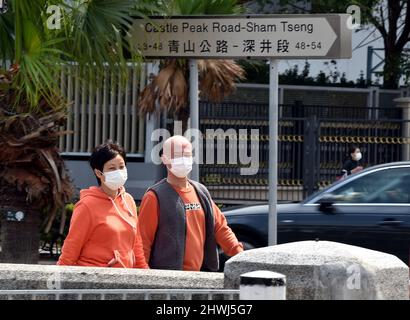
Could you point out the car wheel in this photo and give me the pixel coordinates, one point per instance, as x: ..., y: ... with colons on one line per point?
x: 248, y: 244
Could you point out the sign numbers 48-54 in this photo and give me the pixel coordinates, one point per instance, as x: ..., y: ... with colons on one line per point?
x: 312, y: 45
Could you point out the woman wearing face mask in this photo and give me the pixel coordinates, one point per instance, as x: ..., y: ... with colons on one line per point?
x: 103, y: 229
x: 352, y: 164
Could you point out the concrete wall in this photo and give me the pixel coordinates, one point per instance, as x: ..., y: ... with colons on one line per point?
x: 314, y: 270
x: 325, y: 270
x: 23, y: 276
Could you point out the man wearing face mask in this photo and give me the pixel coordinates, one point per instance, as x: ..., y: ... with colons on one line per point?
x: 352, y: 164
x: 103, y: 228
x: 180, y: 225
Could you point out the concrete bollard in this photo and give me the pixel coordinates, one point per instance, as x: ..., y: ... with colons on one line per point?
x: 262, y: 285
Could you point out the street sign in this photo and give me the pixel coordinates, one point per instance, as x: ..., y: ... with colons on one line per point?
x: 261, y: 36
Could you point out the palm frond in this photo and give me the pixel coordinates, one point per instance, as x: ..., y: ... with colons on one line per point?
x: 169, y: 89
x: 223, y: 7
x: 145, y: 8
x: 36, y: 76
x: 95, y: 37
x: 200, y: 7
x: 218, y: 78
x: 29, y: 159
x: 189, y: 7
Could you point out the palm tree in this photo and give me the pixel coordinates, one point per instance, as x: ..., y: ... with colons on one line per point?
x: 34, y: 46
x: 216, y: 77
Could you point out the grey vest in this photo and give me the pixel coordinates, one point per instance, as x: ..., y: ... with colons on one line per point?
x: 168, y: 248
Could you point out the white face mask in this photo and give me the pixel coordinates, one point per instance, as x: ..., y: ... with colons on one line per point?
x: 116, y: 179
x: 181, y: 167
x: 358, y: 156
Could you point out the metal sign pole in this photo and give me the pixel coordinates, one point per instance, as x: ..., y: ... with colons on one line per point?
x: 194, y: 109
x: 273, y: 150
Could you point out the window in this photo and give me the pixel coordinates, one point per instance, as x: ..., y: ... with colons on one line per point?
x: 384, y: 186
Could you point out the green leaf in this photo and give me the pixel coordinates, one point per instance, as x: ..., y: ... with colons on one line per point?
x: 31, y: 38
x: 92, y: 35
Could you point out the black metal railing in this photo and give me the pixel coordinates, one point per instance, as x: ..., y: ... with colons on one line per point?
x: 312, y: 146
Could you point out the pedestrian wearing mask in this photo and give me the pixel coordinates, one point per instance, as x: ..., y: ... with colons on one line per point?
x: 103, y: 229
x: 353, y: 163
x: 180, y: 224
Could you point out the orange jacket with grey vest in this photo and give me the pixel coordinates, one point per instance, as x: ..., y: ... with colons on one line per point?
x: 181, y: 227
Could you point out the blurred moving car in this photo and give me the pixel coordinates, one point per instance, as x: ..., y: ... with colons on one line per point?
x: 370, y: 209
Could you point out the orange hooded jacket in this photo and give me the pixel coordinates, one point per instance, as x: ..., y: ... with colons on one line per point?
x: 103, y: 232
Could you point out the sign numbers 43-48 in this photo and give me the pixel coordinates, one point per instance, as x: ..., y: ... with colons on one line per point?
x: 145, y: 46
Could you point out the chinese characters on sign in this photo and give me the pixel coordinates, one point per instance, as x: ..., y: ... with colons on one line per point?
x: 221, y: 46
x: 277, y: 36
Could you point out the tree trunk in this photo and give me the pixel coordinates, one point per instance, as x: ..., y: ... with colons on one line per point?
x: 391, y: 71
x: 19, y: 240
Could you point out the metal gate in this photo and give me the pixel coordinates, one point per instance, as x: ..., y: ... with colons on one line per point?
x: 313, y: 143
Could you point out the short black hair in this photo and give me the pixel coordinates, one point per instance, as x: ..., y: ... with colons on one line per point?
x: 352, y: 148
x: 104, y: 153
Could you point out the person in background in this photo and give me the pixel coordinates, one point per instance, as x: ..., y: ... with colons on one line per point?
x: 180, y: 224
x: 352, y: 164
x: 104, y: 226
